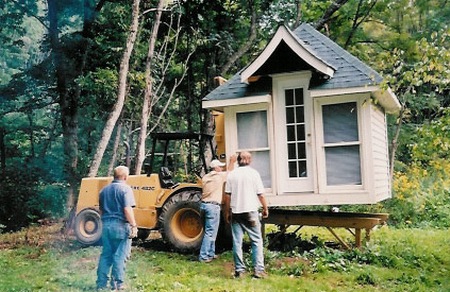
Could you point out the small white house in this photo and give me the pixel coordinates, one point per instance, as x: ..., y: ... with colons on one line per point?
x: 314, y: 118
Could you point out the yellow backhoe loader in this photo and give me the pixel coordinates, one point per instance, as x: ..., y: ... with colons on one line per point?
x: 162, y: 204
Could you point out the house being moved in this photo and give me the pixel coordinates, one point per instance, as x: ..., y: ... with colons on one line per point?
x: 314, y: 118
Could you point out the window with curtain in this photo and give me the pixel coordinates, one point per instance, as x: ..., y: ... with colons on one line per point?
x: 341, y: 144
x: 252, y: 134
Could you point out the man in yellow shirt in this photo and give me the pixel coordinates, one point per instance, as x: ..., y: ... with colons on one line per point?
x: 212, y: 185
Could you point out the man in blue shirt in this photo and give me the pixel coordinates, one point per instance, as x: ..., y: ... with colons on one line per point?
x: 119, y: 225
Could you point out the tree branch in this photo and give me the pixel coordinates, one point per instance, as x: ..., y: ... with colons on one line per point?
x: 328, y: 13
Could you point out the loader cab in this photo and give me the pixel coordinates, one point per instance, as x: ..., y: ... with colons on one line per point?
x: 166, y: 145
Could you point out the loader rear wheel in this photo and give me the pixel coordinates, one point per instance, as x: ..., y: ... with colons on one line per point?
x: 180, y: 221
x: 88, y: 227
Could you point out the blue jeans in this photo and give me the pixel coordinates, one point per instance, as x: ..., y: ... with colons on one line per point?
x: 212, y: 220
x: 116, y: 249
x: 253, y: 229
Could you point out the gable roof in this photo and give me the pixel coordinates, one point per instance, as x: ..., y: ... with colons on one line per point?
x: 299, y: 47
x: 339, y: 69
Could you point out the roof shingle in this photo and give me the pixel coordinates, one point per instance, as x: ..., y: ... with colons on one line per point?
x: 350, y: 72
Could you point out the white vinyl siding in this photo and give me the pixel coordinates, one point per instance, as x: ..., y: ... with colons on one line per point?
x: 381, y: 178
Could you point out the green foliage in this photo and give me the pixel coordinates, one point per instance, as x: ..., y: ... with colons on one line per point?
x: 20, y: 198
x: 19, y: 38
x: 421, y: 196
x: 432, y: 141
x: 421, y: 190
x: 419, y: 75
x: 366, y: 278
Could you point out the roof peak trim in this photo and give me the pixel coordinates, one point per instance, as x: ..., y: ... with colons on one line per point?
x: 296, y: 45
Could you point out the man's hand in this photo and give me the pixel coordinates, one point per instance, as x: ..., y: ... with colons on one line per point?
x: 265, y: 213
x: 227, y: 216
x: 265, y: 209
x: 134, y: 232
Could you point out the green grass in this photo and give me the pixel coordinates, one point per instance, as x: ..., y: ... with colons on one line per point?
x: 39, y: 259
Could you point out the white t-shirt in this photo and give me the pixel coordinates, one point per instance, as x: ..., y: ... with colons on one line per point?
x: 244, y: 184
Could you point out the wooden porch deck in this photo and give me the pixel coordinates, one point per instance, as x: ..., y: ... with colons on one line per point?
x: 353, y: 222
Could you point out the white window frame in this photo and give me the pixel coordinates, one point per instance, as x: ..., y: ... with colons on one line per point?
x: 231, y: 133
x: 320, y: 145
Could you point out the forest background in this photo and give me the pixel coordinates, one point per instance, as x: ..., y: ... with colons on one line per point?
x: 83, y: 83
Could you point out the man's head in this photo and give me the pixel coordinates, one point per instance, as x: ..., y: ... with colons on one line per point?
x: 121, y: 172
x: 244, y: 158
x: 216, y: 165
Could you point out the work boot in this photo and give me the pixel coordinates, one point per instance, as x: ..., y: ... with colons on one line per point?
x: 260, y: 275
x: 239, y: 274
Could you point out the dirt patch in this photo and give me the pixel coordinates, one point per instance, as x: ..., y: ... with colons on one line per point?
x: 288, y: 261
x: 39, y: 235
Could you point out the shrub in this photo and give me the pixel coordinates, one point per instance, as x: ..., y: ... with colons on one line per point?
x: 24, y: 199
x: 421, y: 196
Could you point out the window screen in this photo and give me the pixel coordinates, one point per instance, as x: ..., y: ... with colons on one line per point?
x: 341, y: 142
x: 253, y: 137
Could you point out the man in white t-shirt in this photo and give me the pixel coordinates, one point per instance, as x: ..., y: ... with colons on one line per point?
x: 244, y: 194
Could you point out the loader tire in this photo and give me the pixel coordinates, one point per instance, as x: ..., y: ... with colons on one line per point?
x: 181, y: 224
x: 88, y: 227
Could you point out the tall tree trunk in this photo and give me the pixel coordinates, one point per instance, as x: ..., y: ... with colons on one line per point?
x: 2, y: 151
x: 146, y: 107
x: 121, y: 92
x: 30, y: 121
x: 67, y: 70
x: 298, y: 17
x: 46, y: 144
x: 246, y: 46
x: 394, y: 142
x: 113, y: 160
x: 67, y: 103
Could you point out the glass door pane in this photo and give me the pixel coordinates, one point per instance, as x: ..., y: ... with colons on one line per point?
x: 295, y: 132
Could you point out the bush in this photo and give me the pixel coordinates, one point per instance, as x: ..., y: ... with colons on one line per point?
x: 421, y: 196
x: 24, y: 200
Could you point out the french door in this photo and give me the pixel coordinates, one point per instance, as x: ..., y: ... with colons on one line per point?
x: 293, y: 135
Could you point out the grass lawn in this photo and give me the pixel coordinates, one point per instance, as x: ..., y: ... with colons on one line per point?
x: 39, y: 259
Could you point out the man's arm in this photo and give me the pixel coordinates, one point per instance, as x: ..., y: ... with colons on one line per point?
x: 232, y: 162
x: 262, y: 200
x: 129, y: 214
x: 226, y: 207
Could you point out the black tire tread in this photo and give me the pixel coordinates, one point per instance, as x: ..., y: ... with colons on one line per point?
x: 190, y: 198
